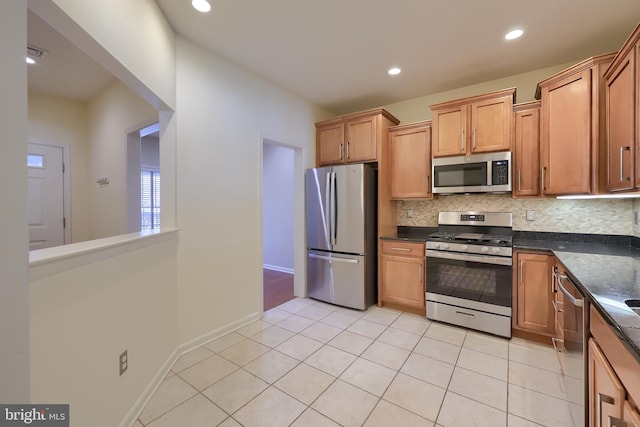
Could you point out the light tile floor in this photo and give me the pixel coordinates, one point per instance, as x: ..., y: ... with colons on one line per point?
x: 307, y: 363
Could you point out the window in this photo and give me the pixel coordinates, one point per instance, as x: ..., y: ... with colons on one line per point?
x: 149, y: 200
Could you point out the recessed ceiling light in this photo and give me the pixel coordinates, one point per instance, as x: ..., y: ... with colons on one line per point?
x: 394, y: 71
x: 514, y: 34
x: 201, y: 5
x: 29, y: 60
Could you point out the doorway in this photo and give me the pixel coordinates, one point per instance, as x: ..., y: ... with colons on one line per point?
x: 278, y: 222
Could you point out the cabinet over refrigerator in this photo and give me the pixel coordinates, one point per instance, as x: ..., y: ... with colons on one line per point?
x: 341, y: 235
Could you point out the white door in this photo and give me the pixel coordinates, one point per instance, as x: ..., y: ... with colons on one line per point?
x: 46, y: 196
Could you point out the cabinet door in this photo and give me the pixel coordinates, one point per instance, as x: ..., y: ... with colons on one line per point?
x: 450, y: 131
x: 534, y: 308
x: 330, y: 141
x: 566, y: 135
x: 606, y: 394
x: 403, y: 280
x: 361, y: 141
x: 621, y: 126
x: 631, y: 415
x: 410, y: 155
x: 491, y: 125
x: 527, y: 153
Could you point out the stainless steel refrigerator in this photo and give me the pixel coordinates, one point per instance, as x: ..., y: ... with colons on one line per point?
x: 342, y: 235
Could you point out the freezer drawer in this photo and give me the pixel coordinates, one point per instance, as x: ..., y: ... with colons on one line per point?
x: 337, y: 278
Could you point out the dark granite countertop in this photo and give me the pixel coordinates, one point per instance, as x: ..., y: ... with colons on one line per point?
x: 411, y: 234
x: 607, y: 271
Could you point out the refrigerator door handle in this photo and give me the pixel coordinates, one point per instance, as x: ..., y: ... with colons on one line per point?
x: 334, y: 259
x: 334, y: 204
x: 327, y: 207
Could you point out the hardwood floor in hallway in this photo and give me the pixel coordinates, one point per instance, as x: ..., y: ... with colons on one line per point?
x: 278, y: 288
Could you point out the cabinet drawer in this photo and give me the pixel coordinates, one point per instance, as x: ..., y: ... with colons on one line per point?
x: 395, y: 247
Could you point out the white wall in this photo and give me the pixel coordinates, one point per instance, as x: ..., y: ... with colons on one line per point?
x: 223, y: 111
x: 278, y: 206
x: 111, y: 116
x: 14, y: 289
x: 84, y: 317
x: 57, y: 120
x: 150, y: 151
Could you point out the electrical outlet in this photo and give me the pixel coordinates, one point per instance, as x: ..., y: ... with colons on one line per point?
x: 409, y: 213
x: 124, y: 362
x: 531, y: 215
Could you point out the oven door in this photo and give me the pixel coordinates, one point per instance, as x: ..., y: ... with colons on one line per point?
x: 482, y: 278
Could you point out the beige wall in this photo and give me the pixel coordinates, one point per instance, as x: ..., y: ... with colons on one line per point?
x: 56, y: 120
x: 111, y: 116
x: 416, y: 109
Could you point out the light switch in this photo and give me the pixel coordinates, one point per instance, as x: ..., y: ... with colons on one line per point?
x: 409, y: 213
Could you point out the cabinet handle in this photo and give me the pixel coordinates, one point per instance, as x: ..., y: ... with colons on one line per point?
x: 521, y: 270
x: 347, y: 150
x: 465, y: 314
x: 420, y: 273
x: 428, y: 188
x: 617, y: 422
x: 473, y: 138
x: 622, y: 149
x: 462, y: 141
x: 340, y: 151
x: 553, y: 279
x: 602, y: 398
x: 543, y: 187
x: 518, y: 180
x: 401, y: 249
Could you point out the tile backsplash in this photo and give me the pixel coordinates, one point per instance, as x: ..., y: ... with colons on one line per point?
x: 598, y: 216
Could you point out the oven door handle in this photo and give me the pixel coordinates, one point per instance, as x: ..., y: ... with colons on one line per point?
x: 485, y: 259
x: 573, y: 300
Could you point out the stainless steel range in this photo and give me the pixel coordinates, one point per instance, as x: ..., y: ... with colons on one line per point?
x: 468, y: 277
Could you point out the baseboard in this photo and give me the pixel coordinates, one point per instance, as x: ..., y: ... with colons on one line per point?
x: 148, y: 392
x: 157, y: 379
x: 277, y: 268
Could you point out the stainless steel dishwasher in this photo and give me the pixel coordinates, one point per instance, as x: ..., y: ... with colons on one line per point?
x: 570, y: 343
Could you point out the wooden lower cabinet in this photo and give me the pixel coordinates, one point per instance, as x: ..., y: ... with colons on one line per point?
x: 606, y: 393
x: 614, y: 378
x: 403, y: 273
x: 533, y: 293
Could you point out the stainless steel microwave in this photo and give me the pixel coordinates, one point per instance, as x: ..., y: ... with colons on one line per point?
x: 477, y: 173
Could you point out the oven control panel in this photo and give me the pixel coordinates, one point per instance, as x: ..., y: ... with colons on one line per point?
x: 472, y: 217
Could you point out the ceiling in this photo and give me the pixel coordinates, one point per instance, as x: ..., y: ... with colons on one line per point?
x: 336, y: 53
x: 64, y: 70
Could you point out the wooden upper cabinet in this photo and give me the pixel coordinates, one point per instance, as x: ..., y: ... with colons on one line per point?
x: 572, y: 128
x: 623, y: 169
x: 330, y: 139
x: 355, y: 138
x: 478, y: 124
x: 410, y: 161
x: 526, y: 149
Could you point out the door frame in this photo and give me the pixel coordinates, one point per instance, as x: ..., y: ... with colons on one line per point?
x: 299, y: 242
x: 66, y: 183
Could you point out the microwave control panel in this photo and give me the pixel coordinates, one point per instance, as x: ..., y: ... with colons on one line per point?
x: 500, y: 172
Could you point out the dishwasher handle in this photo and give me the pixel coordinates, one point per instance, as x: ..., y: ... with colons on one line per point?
x: 571, y: 298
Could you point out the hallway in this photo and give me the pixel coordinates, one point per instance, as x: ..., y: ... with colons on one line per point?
x: 278, y: 288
